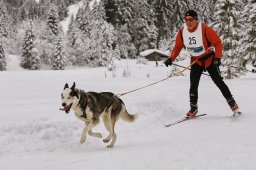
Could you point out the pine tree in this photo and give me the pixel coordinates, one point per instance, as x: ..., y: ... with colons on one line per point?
x: 52, y: 19
x: 142, y: 25
x: 247, y: 49
x: 45, y: 41
x: 227, y: 26
x: 2, y: 59
x: 71, y: 33
x: 83, y: 18
x: 179, y: 9
x: 111, y: 9
x: 204, y: 9
x: 29, y: 57
x: 125, y: 11
x: 59, y: 58
x: 79, y: 17
x: 76, y: 48
x: 62, y: 9
x: 127, y: 48
x: 4, y: 20
x: 164, y: 14
x: 102, y: 37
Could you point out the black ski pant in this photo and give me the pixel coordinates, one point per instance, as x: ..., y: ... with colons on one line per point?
x: 213, y: 70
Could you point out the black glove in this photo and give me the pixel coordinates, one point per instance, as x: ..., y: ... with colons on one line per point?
x: 168, y: 62
x: 216, y: 62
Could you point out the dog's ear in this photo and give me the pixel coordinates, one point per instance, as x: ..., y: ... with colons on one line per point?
x: 66, y: 86
x: 73, y: 86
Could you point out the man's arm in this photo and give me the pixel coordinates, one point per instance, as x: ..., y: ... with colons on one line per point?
x: 215, y: 40
x: 178, y: 45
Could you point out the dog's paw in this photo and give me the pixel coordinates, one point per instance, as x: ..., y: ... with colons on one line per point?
x: 110, y: 146
x: 98, y: 135
x: 82, y: 140
x: 106, y: 140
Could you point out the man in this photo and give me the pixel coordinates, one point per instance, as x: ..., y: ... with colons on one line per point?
x: 204, y: 45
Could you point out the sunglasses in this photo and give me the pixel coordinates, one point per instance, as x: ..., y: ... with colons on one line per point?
x: 189, y: 20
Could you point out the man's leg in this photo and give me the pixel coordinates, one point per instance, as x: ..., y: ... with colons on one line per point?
x: 218, y: 80
x: 195, y: 74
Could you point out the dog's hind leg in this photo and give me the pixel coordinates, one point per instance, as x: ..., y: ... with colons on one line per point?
x: 109, y: 123
x: 113, y: 141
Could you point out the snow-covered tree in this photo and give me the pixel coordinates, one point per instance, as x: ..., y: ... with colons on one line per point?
x: 53, y: 20
x: 125, y: 11
x: 59, y: 58
x: 204, y: 9
x: 76, y: 44
x: 179, y: 9
x: 247, y: 47
x: 71, y: 33
x: 102, y: 38
x: 2, y: 59
x: 48, y: 31
x: 227, y: 26
x: 142, y: 26
x: 61, y: 6
x: 164, y: 13
x: 7, y: 27
x: 127, y: 48
x: 29, y: 57
x: 83, y: 18
x: 111, y: 9
x: 4, y: 20
x: 62, y: 9
x: 45, y: 41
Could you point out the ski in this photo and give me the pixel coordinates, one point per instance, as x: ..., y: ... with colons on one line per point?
x: 184, y: 119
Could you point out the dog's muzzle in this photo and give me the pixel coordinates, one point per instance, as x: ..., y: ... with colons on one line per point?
x: 66, y: 108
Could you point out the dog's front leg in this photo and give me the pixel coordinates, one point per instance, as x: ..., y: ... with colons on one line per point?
x: 85, y: 131
x: 94, y: 134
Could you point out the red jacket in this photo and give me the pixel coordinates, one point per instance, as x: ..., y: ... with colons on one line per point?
x: 212, y: 38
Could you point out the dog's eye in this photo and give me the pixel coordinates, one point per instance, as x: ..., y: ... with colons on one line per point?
x: 70, y: 97
x: 62, y: 97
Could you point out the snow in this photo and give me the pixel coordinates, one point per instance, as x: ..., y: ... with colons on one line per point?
x: 34, y: 134
x: 149, y: 51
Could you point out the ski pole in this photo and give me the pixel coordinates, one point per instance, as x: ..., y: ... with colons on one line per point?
x: 252, y: 71
x: 188, y: 68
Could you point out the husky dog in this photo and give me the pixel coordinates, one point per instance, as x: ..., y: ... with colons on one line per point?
x: 91, y: 106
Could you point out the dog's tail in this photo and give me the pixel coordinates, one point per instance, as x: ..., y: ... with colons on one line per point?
x: 126, y: 116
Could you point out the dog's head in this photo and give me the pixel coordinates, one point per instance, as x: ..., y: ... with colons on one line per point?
x: 69, y: 97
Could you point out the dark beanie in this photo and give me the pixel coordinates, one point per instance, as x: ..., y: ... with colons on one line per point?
x: 191, y: 13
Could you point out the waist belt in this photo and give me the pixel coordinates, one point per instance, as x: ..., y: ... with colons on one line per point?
x: 203, y: 58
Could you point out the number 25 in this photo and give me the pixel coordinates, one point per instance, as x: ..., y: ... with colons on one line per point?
x: 192, y: 40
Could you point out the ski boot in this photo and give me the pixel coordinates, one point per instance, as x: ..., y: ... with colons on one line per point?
x: 233, y: 106
x: 193, y: 110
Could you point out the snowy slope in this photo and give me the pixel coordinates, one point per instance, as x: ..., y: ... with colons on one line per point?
x: 34, y: 134
x: 72, y: 10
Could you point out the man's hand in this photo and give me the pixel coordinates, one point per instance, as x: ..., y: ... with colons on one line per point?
x: 217, y: 62
x: 168, y: 62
